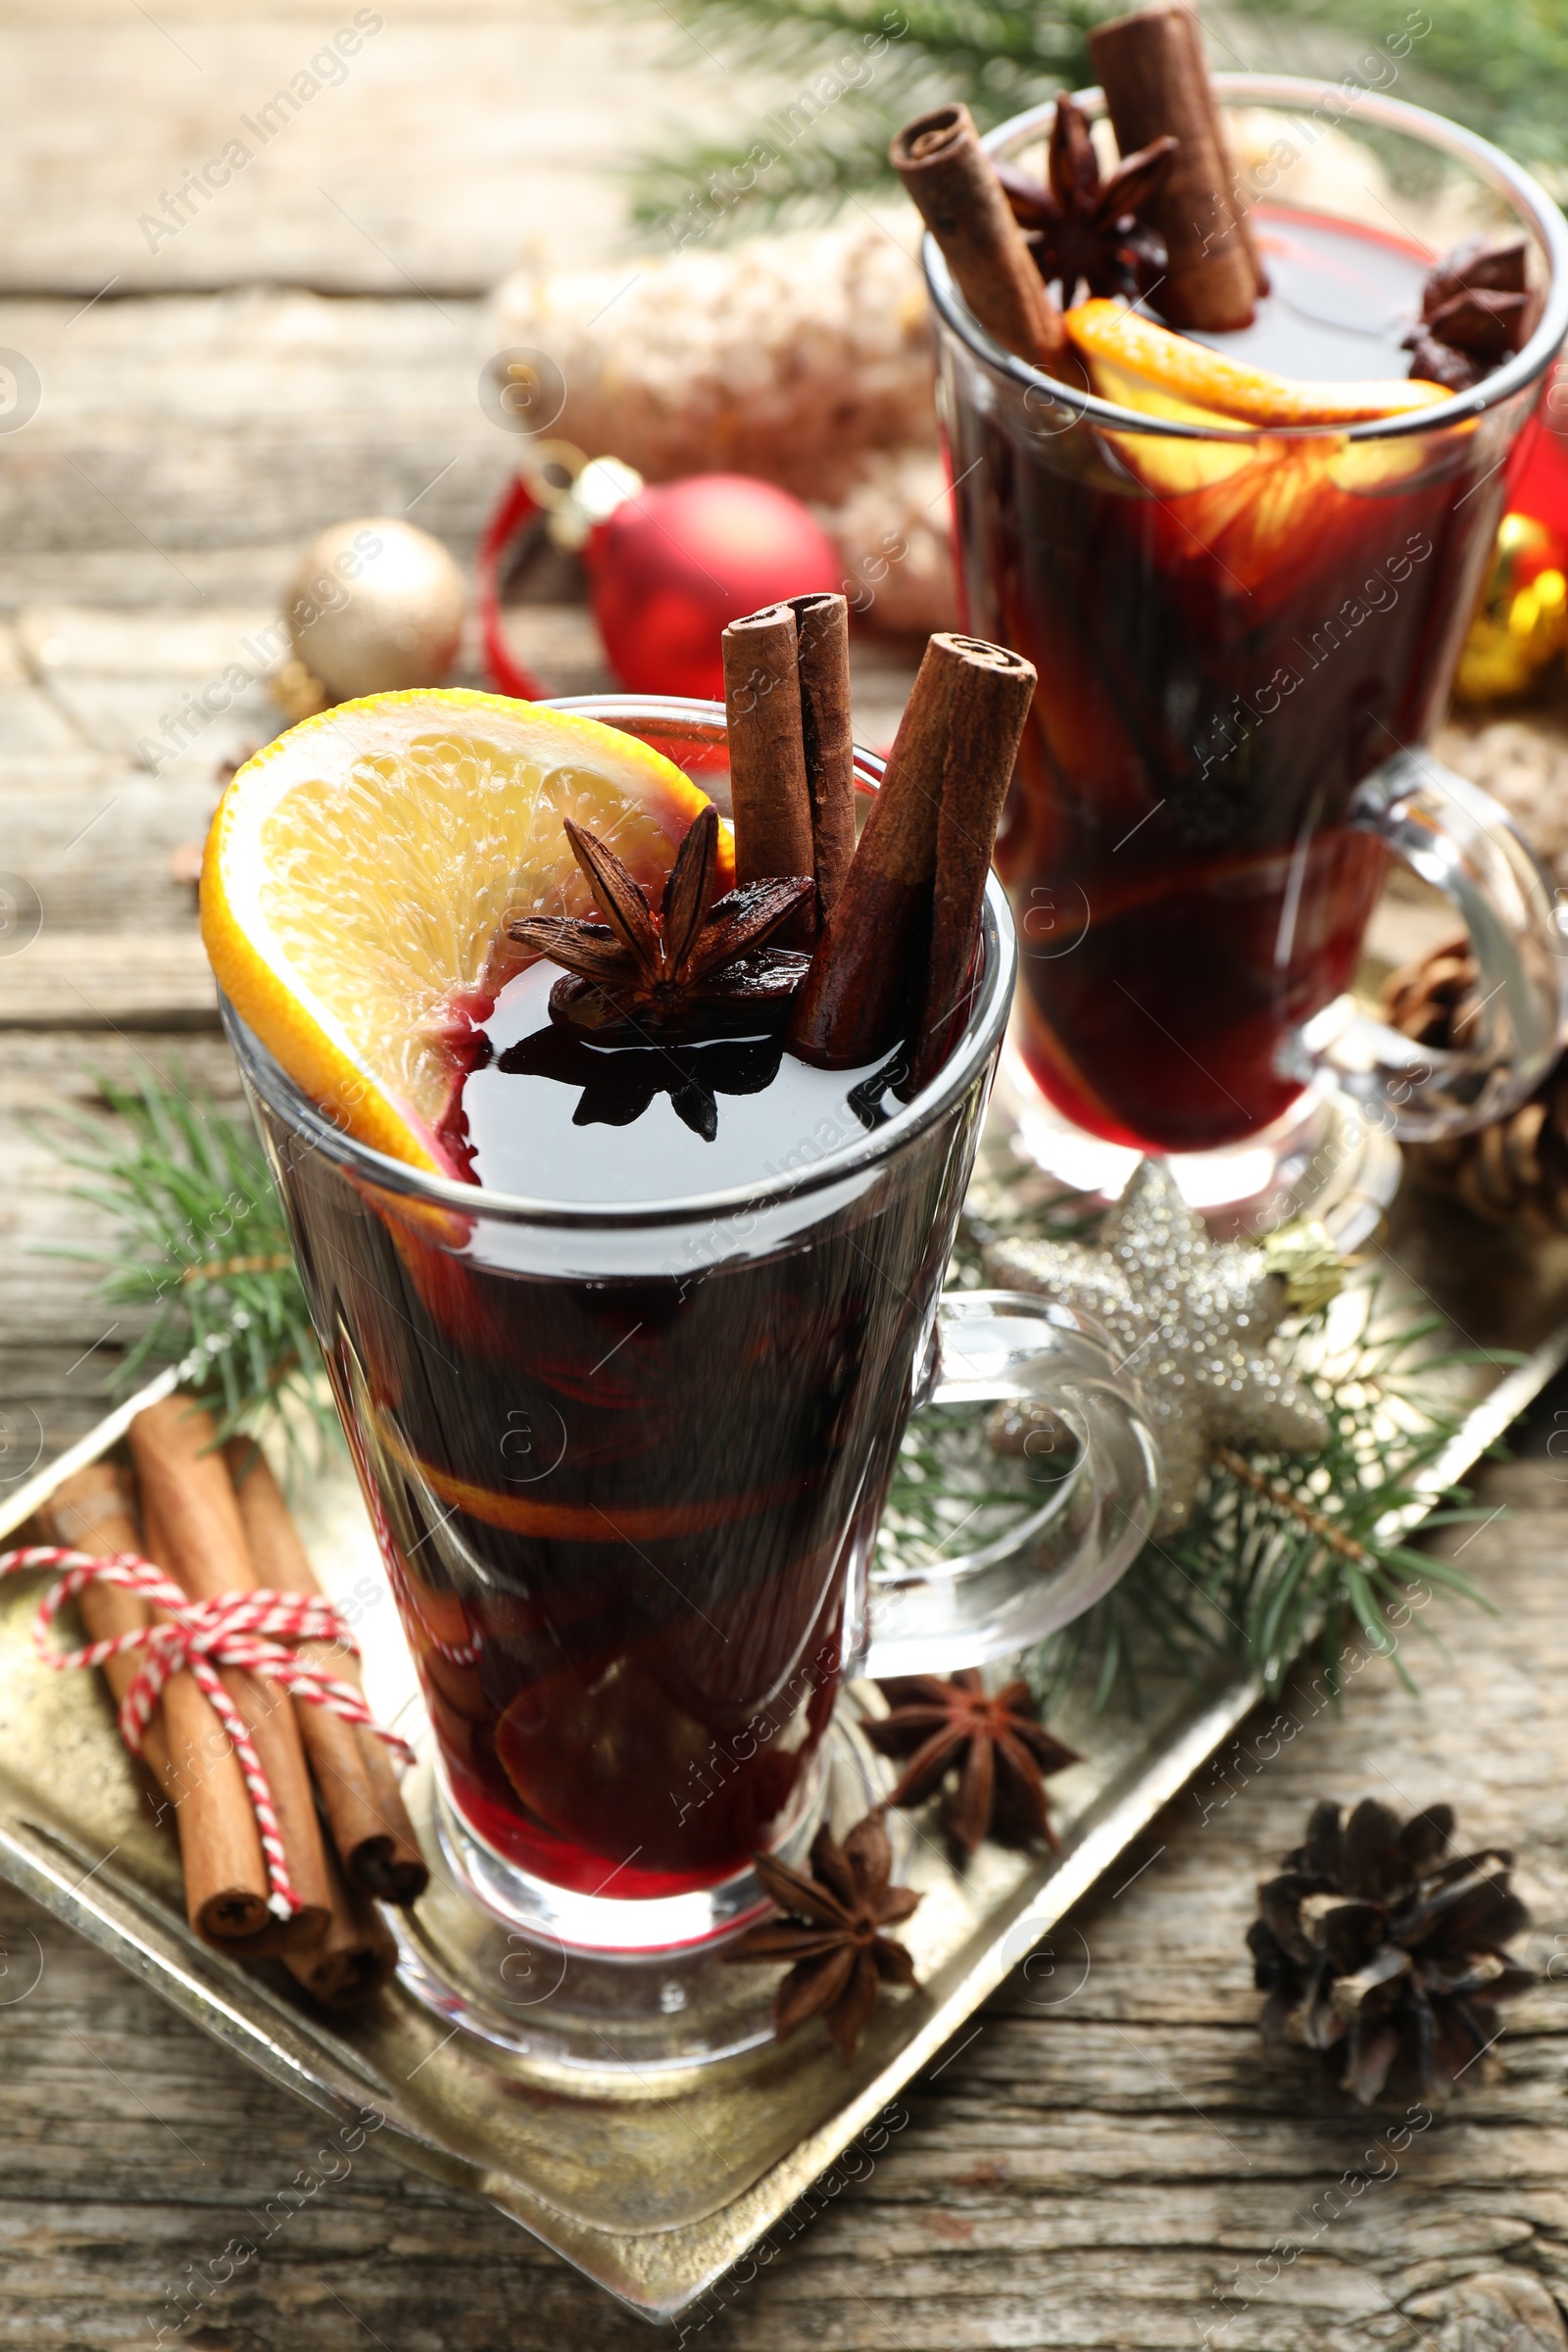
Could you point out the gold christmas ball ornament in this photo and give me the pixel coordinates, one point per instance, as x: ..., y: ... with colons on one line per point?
x: 373, y: 605
x: 1522, y: 620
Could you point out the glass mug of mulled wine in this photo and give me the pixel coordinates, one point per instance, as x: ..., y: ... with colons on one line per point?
x: 1243, y: 636
x: 626, y: 1446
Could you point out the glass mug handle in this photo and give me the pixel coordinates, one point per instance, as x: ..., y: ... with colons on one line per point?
x: 1001, y: 1346
x: 1459, y: 839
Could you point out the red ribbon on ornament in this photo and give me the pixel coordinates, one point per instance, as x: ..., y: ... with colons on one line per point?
x: 245, y: 1629
x: 517, y: 506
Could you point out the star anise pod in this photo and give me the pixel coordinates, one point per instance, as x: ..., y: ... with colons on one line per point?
x: 1382, y: 1954
x: 1086, y: 230
x: 832, y: 1933
x: 1476, y: 308
x: 1000, y: 1748
x: 619, y: 1085
x: 695, y: 964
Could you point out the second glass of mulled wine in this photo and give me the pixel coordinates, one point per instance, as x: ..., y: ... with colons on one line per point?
x: 1243, y: 637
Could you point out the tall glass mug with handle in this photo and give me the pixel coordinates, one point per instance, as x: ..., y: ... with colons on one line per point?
x: 626, y: 1463
x: 1245, y: 636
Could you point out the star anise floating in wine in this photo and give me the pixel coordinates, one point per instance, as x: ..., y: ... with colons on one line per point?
x: 1476, y: 308
x: 618, y: 1087
x: 998, y: 1745
x: 831, y: 1932
x: 699, y: 965
x: 1085, y: 230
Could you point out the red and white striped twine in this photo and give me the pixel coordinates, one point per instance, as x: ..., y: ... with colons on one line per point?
x: 243, y: 1629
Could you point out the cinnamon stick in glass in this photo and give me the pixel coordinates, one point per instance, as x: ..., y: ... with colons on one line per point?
x: 822, y: 625
x: 990, y: 707
x: 770, y: 797
x: 195, y: 1533
x: 960, y: 730
x: 954, y: 187
x: 186, y: 1748
x: 354, y: 1777
x: 1152, y: 72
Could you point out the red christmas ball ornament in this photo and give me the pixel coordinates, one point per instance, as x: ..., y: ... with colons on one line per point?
x: 675, y: 564
x: 670, y: 565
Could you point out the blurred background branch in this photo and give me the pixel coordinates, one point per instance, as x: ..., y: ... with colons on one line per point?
x: 858, y: 72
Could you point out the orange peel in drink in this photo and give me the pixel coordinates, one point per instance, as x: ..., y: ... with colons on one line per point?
x: 359, y: 870
x: 1140, y: 366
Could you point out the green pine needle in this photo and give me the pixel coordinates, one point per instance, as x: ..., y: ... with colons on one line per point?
x: 851, y: 74
x: 1498, y: 66
x: 1249, y: 1583
x: 711, y: 190
x: 203, y: 1252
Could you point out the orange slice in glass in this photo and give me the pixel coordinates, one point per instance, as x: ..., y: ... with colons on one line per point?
x: 1141, y: 366
x: 1244, y: 501
x: 360, y: 869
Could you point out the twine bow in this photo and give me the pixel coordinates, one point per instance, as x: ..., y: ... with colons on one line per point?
x: 242, y: 1630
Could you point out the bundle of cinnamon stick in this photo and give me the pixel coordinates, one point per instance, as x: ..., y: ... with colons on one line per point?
x: 896, y: 924
x: 1151, y: 67
x: 215, y: 1520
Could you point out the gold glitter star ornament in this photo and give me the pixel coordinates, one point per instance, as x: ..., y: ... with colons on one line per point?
x: 1190, y: 1319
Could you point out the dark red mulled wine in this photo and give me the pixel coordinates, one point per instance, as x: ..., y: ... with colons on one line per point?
x: 628, y: 1479
x: 1230, y: 636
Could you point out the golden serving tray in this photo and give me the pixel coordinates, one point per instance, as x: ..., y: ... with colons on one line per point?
x: 654, y: 2182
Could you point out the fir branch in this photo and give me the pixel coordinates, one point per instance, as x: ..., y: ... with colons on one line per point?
x: 203, y: 1252
x: 713, y: 189
x: 1281, y: 1554
x: 858, y: 73
x: 1497, y: 66
x: 1289, y: 1554
x: 861, y: 70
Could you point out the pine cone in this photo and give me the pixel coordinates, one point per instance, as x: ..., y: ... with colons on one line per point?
x: 1382, y: 1955
x: 1516, y: 1170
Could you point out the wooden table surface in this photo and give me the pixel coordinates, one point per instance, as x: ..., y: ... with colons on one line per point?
x: 1107, y: 2159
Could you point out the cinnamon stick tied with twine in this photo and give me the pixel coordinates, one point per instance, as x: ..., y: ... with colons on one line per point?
x: 915, y: 892
x: 186, y: 1748
x: 1154, y: 76
x: 204, y: 1746
x: 769, y: 795
x: 956, y: 189
x: 194, y: 1533
x: 355, y: 1776
x: 357, y: 1952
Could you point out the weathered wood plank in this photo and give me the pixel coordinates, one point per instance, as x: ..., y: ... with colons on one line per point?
x: 58, y: 1345
x: 205, y: 422
x: 122, y: 981
x: 98, y: 858
x: 136, y: 577
x: 130, y: 686
x: 445, y: 146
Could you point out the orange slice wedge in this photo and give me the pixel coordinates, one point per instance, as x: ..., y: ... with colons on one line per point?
x: 360, y: 869
x: 1141, y: 366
